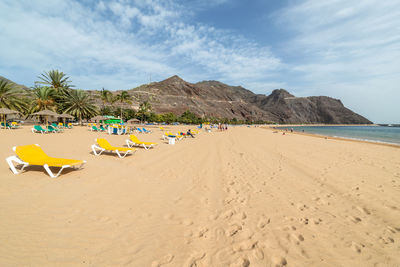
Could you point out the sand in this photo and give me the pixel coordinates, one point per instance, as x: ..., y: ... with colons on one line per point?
x: 245, y: 197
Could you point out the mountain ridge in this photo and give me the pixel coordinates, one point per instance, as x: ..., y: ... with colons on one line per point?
x: 216, y: 99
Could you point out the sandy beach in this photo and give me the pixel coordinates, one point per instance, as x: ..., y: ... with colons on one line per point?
x: 244, y: 197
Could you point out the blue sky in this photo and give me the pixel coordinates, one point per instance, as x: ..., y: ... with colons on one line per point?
x: 345, y: 49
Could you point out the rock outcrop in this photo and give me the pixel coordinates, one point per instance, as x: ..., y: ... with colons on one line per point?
x: 216, y: 99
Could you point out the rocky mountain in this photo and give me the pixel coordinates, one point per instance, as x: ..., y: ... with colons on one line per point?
x: 215, y: 99
x: 19, y: 86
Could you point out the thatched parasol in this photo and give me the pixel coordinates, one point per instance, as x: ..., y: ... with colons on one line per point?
x: 99, y: 118
x: 133, y: 121
x: 65, y: 116
x: 46, y: 113
x: 4, y: 112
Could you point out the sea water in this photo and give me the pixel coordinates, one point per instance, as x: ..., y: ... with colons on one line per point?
x: 382, y: 134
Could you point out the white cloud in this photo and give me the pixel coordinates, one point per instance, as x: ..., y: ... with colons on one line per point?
x: 120, y: 38
x: 76, y: 40
x: 347, y: 49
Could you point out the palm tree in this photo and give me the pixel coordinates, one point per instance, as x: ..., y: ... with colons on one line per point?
x: 43, y: 98
x: 11, y: 97
x: 105, y: 96
x: 144, y: 109
x: 122, y: 98
x: 80, y: 104
x: 55, y: 79
x: 145, y: 106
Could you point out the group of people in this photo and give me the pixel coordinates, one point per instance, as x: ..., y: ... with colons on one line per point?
x: 188, y: 133
x: 222, y: 127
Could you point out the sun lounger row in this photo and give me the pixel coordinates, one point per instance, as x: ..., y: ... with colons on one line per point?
x: 34, y: 155
x: 142, y: 130
x: 117, y: 129
x: 177, y: 136
x: 12, y: 125
x: 49, y: 129
x: 61, y: 125
x: 100, y: 129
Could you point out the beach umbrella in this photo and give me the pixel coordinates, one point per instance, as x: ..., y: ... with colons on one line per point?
x: 133, y: 121
x: 99, y: 118
x: 46, y: 113
x: 65, y: 116
x: 4, y: 112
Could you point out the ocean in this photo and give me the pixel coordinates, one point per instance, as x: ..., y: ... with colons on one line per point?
x: 381, y: 134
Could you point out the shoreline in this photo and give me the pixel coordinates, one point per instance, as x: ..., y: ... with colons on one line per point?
x: 335, y: 137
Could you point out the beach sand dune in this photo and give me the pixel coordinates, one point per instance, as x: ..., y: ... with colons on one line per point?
x: 244, y: 197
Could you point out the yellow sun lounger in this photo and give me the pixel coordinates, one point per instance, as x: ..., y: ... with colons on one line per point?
x: 134, y: 141
x: 104, y: 145
x: 34, y: 155
x: 167, y: 135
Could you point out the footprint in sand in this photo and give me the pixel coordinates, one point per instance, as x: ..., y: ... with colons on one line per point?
x: 278, y: 261
x: 354, y: 219
x: 241, y: 262
x: 233, y: 229
x: 213, y: 217
x: 356, y: 247
x: 240, y: 216
x: 187, y: 222
x: 204, y: 200
x: 301, y: 206
x: 219, y: 234
x: 304, y: 220
x: 288, y: 228
x: 169, y: 217
x: 364, y: 210
x: 316, y: 221
x: 103, y: 219
x: 196, y: 257
x: 228, y: 214
x: 224, y: 254
x: 262, y: 222
x: 164, y: 260
x: 201, y: 231
x: 386, y: 240
x: 297, y: 238
x: 177, y: 200
x: 316, y: 199
x: 243, y: 200
x: 258, y: 253
x: 228, y: 200
x: 244, y: 245
x: 393, y: 230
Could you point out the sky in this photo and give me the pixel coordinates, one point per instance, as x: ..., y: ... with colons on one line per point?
x: 345, y: 49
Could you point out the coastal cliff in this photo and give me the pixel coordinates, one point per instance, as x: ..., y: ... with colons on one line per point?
x: 219, y: 100
x: 216, y: 99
